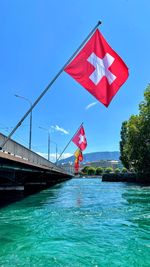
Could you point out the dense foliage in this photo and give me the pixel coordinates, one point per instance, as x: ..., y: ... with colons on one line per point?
x: 108, y: 170
x: 135, y: 138
x: 85, y: 169
x: 117, y: 170
x: 124, y: 170
x: 91, y: 171
x: 99, y: 171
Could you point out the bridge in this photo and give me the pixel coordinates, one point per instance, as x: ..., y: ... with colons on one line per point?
x: 24, y: 170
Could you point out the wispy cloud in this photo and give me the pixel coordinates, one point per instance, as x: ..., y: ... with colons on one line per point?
x: 66, y: 155
x: 59, y: 129
x: 53, y: 156
x: 91, y: 105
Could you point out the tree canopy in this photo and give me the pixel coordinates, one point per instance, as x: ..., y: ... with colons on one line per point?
x: 135, y: 138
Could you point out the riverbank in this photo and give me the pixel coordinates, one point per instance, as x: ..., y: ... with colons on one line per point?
x: 87, y: 176
x: 127, y: 177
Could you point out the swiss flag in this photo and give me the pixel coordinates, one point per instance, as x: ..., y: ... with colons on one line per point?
x: 79, y: 139
x: 99, y: 69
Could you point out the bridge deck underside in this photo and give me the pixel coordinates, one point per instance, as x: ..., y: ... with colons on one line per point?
x: 17, y: 173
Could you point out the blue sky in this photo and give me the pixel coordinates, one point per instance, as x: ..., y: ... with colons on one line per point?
x: 38, y: 37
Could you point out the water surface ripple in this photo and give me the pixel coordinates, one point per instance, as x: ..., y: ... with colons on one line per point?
x: 82, y: 222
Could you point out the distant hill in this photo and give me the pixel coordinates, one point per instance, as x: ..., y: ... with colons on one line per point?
x: 94, y: 156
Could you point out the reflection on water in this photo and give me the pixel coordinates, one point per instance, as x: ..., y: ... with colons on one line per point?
x: 139, y: 200
x: 82, y: 222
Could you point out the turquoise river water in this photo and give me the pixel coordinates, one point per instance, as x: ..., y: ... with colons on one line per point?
x: 81, y: 222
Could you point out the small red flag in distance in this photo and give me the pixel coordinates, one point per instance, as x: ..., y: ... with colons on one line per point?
x: 80, y: 157
x: 99, y: 69
x: 79, y: 139
x: 76, y: 165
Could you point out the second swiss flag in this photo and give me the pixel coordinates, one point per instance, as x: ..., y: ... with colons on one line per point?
x: 79, y: 139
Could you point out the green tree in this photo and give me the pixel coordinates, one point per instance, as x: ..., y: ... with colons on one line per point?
x: 91, y: 171
x: 108, y: 170
x: 133, y: 145
x: 99, y: 171
x: 135, y: 138
x: 117, y: 170
x: 123, y: 150
x: 144, y: 161
x: 124, y: 170
x: 85, y: 169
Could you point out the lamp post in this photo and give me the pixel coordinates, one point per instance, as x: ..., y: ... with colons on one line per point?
x: 48, y: 130
x: 56, y: 150
x: 49, y: 142
x: 30, y: 131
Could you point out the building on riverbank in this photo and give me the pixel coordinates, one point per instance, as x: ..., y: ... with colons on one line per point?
x: 69, y: 166
x: 103, y: 164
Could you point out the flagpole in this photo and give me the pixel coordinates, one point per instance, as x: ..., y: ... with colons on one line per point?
x: 49, y: 85
x: 69, y: 142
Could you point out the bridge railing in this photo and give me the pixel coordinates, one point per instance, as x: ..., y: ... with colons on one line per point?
x: 17, y: 150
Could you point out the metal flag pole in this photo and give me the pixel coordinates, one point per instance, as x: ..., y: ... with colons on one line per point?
x: 49, y: 85
x: 69, y: 142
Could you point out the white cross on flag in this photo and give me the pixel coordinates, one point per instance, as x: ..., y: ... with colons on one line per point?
x: 99, y: 69
x: 79, y: 139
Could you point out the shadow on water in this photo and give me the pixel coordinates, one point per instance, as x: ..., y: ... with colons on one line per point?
x: 7, y: 198
x: 137, y: 194
x: 138, y: 203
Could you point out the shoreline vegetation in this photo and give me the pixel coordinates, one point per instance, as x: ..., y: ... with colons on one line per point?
x: 134, y: 150
x: 135, y: 142
x: 128, y: 177
x: 142, y: 178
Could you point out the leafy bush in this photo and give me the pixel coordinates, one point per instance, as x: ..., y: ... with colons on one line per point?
x: 99, y: 171
x: 108, y: 170
x: 124, y: 170
x: 91, y: 171
x: 117, y: 170
x: 135, y: 138
x: 85, y: 169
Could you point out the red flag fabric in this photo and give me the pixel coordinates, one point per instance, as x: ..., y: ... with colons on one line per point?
x: 79, y: 139
x: 78, y: 154
x: 99, y: 69
x: 80, y: 157
x: 76, y: 165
